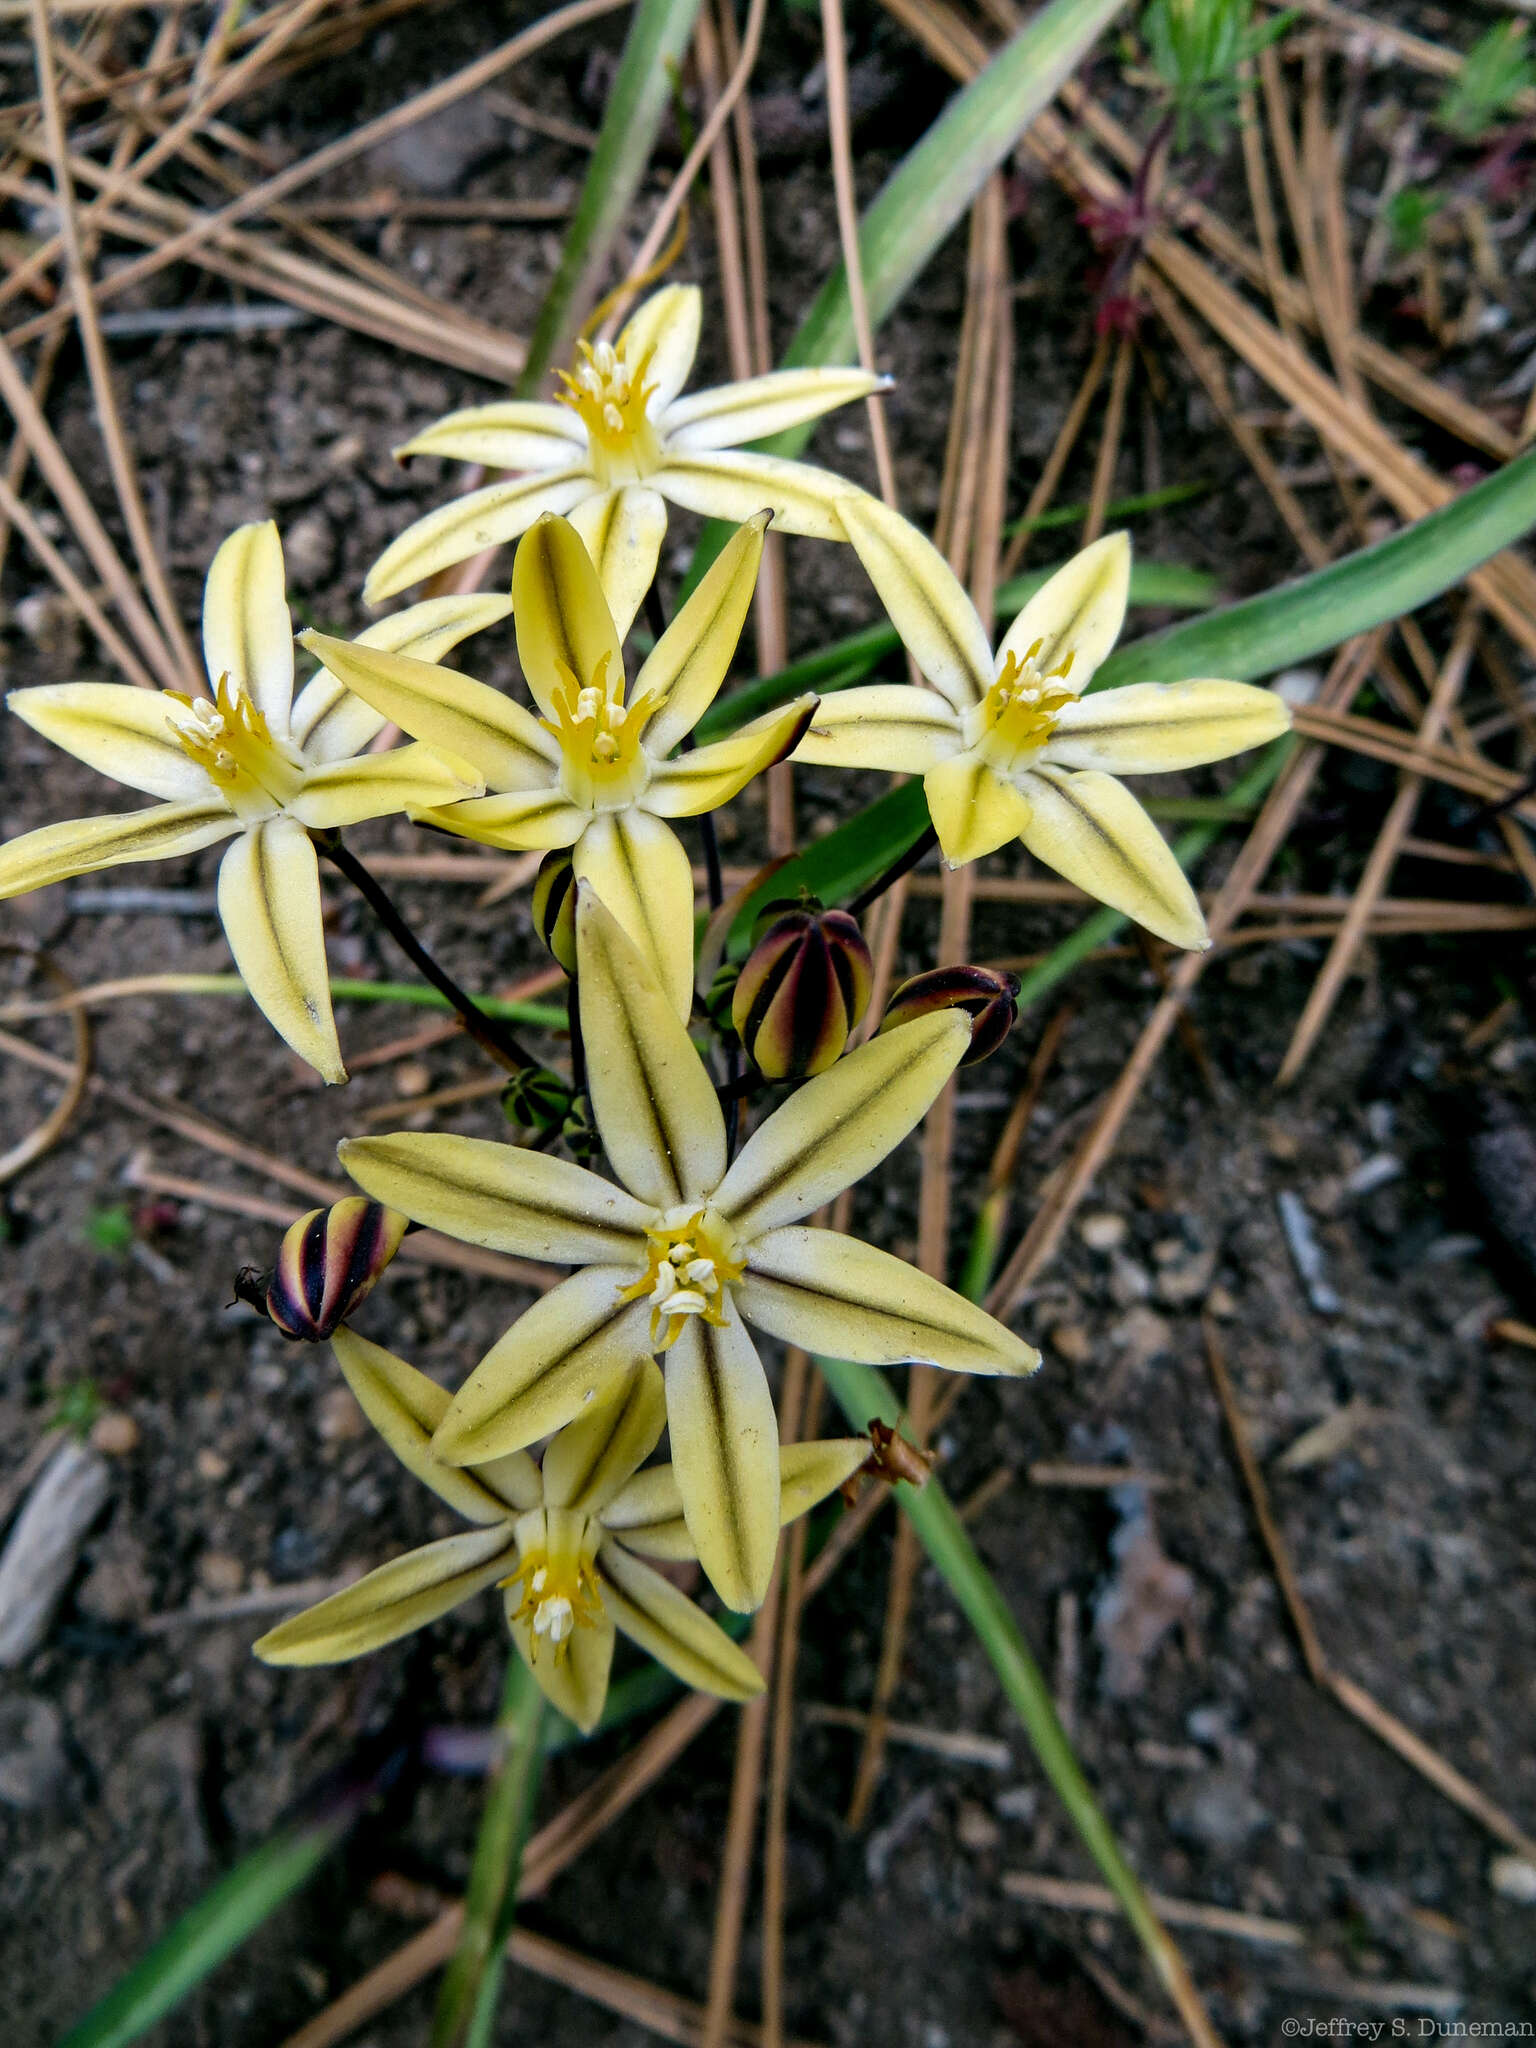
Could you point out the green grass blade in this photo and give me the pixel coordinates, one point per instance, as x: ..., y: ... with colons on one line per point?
x: 466, y: 2003
x: 1331, y: 605
x: 925, y: 196
x: 863, y: 1393
x: 642, y: 91
x: 227, y: 1914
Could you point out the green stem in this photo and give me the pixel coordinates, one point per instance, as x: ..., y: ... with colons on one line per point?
x: 466, y: 2003
x: 659, y: 31
x: 863, y: 1394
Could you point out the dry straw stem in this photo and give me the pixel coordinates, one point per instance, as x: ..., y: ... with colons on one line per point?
x: 955, y: 1745
x: 125, y: 481
x: 84, y: 603
x: 1072, y: 1896
x: 1281, y: 807
x: 1326, y: 989
x: 1412, y: 1748
x: 422, y: 1247
x: 262, y: 197
x: 53, y: 1126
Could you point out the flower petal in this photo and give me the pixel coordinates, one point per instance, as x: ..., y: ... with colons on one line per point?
x: 937, y: 622
x: 411, y: 778
x: 623, y: 531
x: 652, y: 1099
x: 592, y: 1457
x: 502, y: 742
x: 505, y: 1197
x: 663, y: 334
x: 524, y: 821
x: 405, y: 1407
x: 269, y: 905
x: 1090, y: 828
x: 1146, y: 728
x: 331, y: 724
x: 840, y: 1124
x: 690, y: 661
x: 400, y: 1596
x: 511, y: 434
x: 712, y: 775
x: 564, y: 627
x: 666, y: 1624
x: 79, y: 846
x: 809, y: 1472
x: 732, y: 484
x: 575, y: 1684
x: 480, y: 519
x: 565, y: 1351
x: 117, y: 730
x: 725, y: 1450
x: 973, y: 811
x: 835, y: 1295
x: 1078, y: 612
x: 732, y: 415
x: 647, y: 1512
x: 247, y: 633
x: 637, y: 866
x: 893, y: 726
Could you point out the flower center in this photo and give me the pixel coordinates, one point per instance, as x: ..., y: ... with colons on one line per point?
x: 691, y: 1266
x: 609, y: 397
x: 232, y: 743
x: 555, y: 1548
x: 1019, y: 712
x: 603, y: 766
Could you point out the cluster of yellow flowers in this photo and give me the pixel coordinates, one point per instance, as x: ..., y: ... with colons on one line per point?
x: 684, y: 1246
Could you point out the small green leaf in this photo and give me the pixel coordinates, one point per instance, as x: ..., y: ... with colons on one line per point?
x: 109, y: 1229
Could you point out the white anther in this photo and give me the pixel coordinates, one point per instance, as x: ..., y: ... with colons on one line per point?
x: 613, y: 419
x: 554, y: 1618
x: 701, y: 1273
x: 687, y: 1301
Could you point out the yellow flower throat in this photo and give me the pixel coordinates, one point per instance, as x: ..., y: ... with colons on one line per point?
x: 232, y: 743
x: 556, y: 1547
x: 690, y: 1268
x: 603, y: 766
x: 609, y: 398
x: 1019, y: 712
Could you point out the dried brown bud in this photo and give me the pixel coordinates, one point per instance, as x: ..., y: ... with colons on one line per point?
x: 891, y: 1459
x: 990, y: 1000
x: 328, y: 1262
x: 804, y: 986
x: 554, y: 907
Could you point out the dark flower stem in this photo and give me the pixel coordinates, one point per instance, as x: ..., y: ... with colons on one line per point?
x: 492, y: 1037
x: 903, y: 864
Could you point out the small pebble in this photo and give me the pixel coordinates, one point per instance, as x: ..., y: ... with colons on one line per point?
x: 1019, y: 1802
x: 1101, y: 1231
x: 309, y: 551
x: 340, y: 1420
x: 1142, y: 1334
x: 210, y: 1465
x: 976, y: 1829
x: 114, y: 1434
x: 220, y: 1573
x: 1222, y: 1303
x: 1513, y: 1878
x: 33, y: 1766
x: 1071, y: 1342
x: 40, y: 1557
x: 1129, y: 1281
x: 412, y: 1077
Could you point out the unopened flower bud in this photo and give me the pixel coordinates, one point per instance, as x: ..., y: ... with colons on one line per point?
x: 722, y: 993
x: 328, y: 1262
x: 554, y: 907
x: 804, y: 986
x: 537, y: 1099
x: 990, y: 1000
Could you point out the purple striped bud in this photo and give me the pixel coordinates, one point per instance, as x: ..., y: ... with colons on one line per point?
x: 990, y: 1000
x: 328, y: 1262
x: 805, y: 985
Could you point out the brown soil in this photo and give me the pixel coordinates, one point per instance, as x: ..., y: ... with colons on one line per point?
x: 1228, y: 1777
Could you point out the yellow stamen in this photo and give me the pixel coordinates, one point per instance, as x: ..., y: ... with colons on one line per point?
x: 690, y: 1270
x: 232, y: 743
x: 603, y: 766
x: 1019, y: 712
x: 560, y: 1593
x: 609, y: 397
